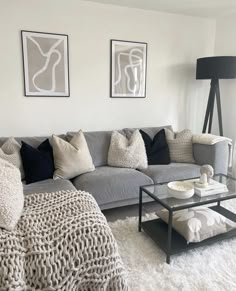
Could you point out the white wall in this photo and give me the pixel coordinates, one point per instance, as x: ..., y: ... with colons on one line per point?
x: 174, y: 43
x: 225, y: 44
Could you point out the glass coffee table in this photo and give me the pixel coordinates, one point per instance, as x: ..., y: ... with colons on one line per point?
x: 170, y: 241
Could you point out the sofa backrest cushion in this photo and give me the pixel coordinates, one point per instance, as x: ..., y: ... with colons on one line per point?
x: 151, y: 131
x: 98, y: 144
x: 33, y: 141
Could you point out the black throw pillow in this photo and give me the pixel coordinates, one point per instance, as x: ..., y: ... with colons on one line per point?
x: 38, y: 163
x: 157, y: 149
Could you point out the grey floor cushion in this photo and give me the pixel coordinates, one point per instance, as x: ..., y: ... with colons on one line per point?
x: 49, y: 186
x: 199, y: 223
x: 111, y: 184
x: 171, y: 172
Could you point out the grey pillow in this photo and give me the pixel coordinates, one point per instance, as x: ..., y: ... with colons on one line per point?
x: 199, y: 223
x: 127, y: 152
x: 71, y: 158
x: 10, y: 151
x: 180, y: 146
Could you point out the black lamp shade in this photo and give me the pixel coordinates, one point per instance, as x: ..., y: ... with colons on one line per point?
x: 216, y: 68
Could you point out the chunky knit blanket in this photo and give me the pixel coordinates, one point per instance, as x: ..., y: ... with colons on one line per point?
x: 61, y: 242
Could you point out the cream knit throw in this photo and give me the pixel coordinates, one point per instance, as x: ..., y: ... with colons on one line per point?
x: 62, y: 242
x: 209, y: 139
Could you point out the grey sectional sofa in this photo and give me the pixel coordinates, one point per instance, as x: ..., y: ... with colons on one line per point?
x: 114, y: 187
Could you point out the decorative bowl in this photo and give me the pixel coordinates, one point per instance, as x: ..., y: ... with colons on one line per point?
x: 181, y: 189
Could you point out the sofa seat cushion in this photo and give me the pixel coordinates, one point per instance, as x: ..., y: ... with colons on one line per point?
x: 49, y: 185
x: 172, y: 172
x: 111, y: 184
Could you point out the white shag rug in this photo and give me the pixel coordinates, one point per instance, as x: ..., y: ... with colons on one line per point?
x: 210, y: 268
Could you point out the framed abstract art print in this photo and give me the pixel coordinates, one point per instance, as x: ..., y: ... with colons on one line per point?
x: 128, y: 69
x: 46, y: 64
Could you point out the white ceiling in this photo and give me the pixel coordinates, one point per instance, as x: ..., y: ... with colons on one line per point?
x: 202, y: 8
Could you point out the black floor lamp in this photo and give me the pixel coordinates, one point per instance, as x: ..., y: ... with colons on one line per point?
x: 215, y: 68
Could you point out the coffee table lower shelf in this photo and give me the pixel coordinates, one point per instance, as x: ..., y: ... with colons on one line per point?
x: 158, y: 231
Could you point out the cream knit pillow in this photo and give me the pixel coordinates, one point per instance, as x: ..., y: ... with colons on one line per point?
x: 10, y: 151
x: 127, y: 153
x: 180, y: 146
x: 11, y: 195
x: 71, y: 158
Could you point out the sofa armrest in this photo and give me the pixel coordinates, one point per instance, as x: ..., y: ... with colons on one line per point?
x: 216, y: 155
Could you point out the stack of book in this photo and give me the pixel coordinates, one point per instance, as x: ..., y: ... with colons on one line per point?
x: 213, y: 187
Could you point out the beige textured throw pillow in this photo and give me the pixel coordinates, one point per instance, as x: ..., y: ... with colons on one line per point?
x: 127, y: 153
x: 10, y: 151
x: 71, y: 158
x: 11, y: 195
x: 180, y: 146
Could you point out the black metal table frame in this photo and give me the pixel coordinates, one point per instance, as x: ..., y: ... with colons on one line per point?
x: 173, y: 209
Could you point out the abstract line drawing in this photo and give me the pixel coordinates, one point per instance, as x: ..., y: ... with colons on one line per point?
x: 128, y: 69
x: 45, y: 62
